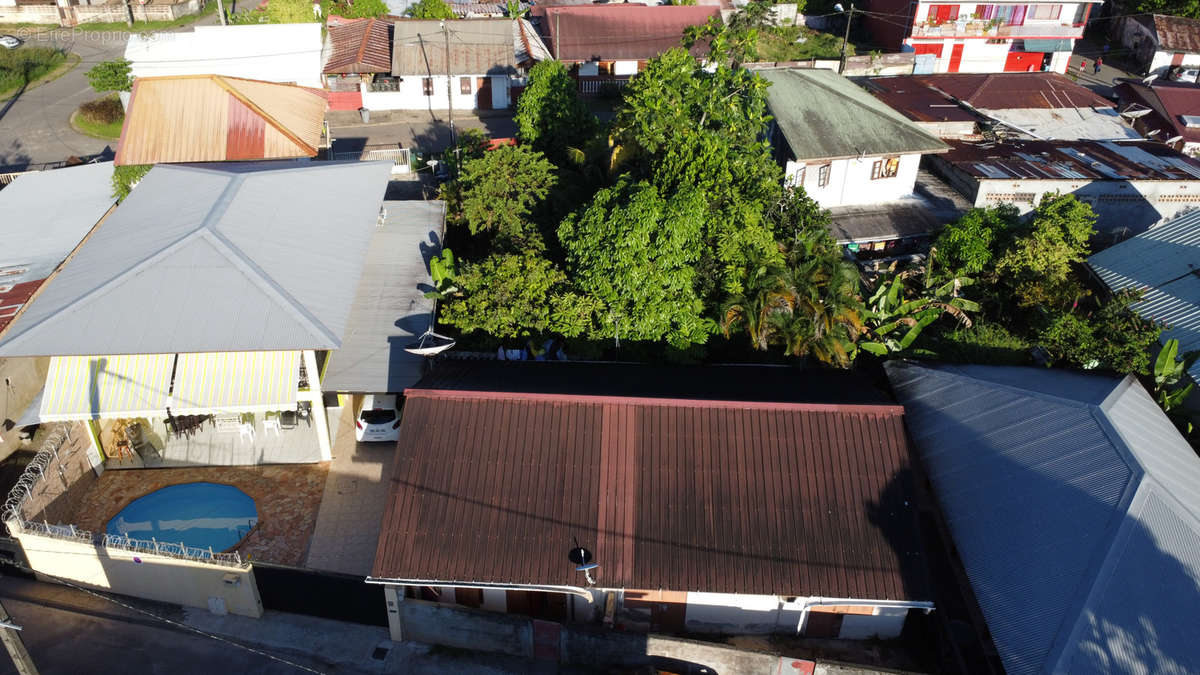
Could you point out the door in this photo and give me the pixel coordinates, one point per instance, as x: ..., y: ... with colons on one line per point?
x: 483, y: 93
x: 936, y: 50
x: 1177, y: 59
x: 1023, y: 62
x: 955, y: 58
x: 943, y: 13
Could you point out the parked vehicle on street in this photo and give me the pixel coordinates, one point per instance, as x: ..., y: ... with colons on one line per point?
x: 10, y: 41
x: 379, y: 419
x: 1184, y: 74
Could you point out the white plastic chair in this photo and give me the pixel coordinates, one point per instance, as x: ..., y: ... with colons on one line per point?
x: 246, y: 431
x: 272, y: 424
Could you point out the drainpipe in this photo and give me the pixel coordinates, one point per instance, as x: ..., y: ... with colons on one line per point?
x: 481, y: 585
x: 818, y: 601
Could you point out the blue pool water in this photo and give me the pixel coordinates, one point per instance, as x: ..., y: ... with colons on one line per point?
x: 197, y: 514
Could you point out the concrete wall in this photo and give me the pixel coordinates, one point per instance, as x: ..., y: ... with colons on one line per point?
x: 850, y: 181
x: 1127, y: 207
x: 56, y: 498
x: 25, y: 377
x: 43, y: 14
x: 183, y: 582
x: 457, y: 626
x: 411, y: 94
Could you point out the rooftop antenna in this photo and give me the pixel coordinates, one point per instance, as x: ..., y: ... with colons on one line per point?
x: 583, y: 561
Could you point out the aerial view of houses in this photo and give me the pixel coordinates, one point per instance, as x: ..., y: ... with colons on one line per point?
x: 348, y: 336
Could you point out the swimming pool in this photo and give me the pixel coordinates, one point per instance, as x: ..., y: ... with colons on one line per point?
x: 203, y: 515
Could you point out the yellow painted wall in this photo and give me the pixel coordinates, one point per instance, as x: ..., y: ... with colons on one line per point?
x: 183, y: 582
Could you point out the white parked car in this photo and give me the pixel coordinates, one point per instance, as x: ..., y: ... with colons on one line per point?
x: 379, y: 419
x: 1184, y: 74
x: 10, y: 41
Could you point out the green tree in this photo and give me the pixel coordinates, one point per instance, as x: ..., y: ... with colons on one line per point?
x: 1113, y: 337
x: 356, y: 9
x: 431, y: 9
x: 1186, y: 8
x: 514, y: 10
x: 972, y: 243
x: 111, y: 76
x: 291, y: 11
x: 125, y: 177
x: 550, y: 116
x: 635, y: 252
x: 1038, y: 266
x: 499, y: 189
x: 905, y: 302
x: 517, y: 295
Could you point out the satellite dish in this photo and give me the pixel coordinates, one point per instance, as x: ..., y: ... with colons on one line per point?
x: 587, y: 567
x: 838, y: 7
x: 581, y: 557
x: 1173, y: 140
x: 1150, y: 79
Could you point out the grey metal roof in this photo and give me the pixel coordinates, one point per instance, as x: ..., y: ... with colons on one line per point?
x: 1163, y: 263
x: 214, y: 257
x: 476, y: 47
x: 390, y: 308
x: 44, y: 214
x: 825, y: 116
x: 1075, y: 508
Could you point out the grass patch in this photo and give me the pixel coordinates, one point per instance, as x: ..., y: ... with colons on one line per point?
x: 101, y: 118
x: 780, y: 44
x: 30, y: 65
x: 142, y: 26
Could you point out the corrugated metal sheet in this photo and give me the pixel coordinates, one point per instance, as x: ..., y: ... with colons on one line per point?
x: 283, y: 52
x: 95, y: 387
x: 1168, y: 103
x: 390, y: 308
x: 476, y: 47
x: 625, y: 32
x: 1177, y: 33
x: 1095, y: 160
x: 825, y: 116
x: 913, y: 95
x: 204, y: 118
x: 359, y: 46
x: 1162, y: 263
x: 211, y: 258
x: 45, y: 215
x: 1047, y: 481
x: 235, y: 382
x: 678, y: 495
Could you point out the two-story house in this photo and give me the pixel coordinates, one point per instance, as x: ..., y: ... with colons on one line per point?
x: 979, y: 37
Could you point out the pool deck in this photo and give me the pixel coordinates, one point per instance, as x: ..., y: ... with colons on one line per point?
x: 288, y: 498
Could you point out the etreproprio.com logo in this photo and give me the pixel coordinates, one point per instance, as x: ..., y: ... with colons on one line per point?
x: 60, y: 35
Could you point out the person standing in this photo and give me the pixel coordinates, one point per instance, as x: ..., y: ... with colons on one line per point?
x: 1082, y: 66
x: 1097, y: 64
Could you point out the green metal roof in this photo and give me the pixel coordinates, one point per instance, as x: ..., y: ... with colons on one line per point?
x: 825, y: 116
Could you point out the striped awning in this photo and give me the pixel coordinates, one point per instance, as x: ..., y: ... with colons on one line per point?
x: 93, y: 387
x: 235, y: 382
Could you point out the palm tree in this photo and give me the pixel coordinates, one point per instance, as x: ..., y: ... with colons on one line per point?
x: 826, y: 316
x: 763, y: 295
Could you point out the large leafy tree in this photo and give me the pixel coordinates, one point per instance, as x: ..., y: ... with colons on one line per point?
x: 431, y: 9
x: 635, y: 250
x: 550, y: 116
x: 1187, y: 8
x: 1039, y: 266
x: 684, y: 127
x: 517, y: 295
x: 973, y: 242
x: 498, y: 190
x: 111, y: 76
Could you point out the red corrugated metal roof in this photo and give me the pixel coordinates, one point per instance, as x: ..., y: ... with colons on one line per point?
x: 359, y: 46
x: 1177, y: 33
x: 683, y: 495
x: 1168, y: 103
x: 930, y: 98
x: 12, y: 299
x: 619, y: 32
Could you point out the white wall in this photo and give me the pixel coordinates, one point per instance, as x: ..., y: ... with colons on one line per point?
x: 1162, y: 62
x: 887, y: 622
x: 850, y: 181
x: 411, y: 94
x: 183, y: 582
x: 271, y: 52
x: 1130, y: 206
x: 759, y: 614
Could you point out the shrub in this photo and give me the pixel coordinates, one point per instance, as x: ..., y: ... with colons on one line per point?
x: 102, y: 111
x: 111, y: 76
x: 19, y: 67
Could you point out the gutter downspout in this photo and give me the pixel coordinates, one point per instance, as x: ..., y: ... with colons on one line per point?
x: 566, y: 590
x: 818, y: 601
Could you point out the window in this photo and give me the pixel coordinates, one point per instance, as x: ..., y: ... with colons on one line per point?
x: 798, y: 176
x: 1044, y: 12
x: 427, y: 85
x: 885, y: 168
x: 823, y: 175
x: 939, y: 14
x: 464, y: 84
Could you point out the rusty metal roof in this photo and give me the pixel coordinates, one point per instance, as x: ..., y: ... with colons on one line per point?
x: 359, y: 46
x: 1168, y: 103
x: 476, y: 47
x: 1059, y: 160
x: 204, y: 118
x: 932, y: 98
x: 676, y: 494
x: 1177, y: 34
x: 619, y: 31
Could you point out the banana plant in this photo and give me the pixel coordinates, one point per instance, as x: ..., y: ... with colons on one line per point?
x: 442, y: 270
x: 1169, y: 370
x: 896, y: 313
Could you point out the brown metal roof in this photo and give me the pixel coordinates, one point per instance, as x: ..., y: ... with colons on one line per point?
x: 476, y: 47
x: 1177, y: 34
x: 931, y: 98
x: 685, y: 495
x: 1058, y: 160
x: 619, y: 31
x: 204, y: 118
x: 359, y: 46
x: 1168, y: 103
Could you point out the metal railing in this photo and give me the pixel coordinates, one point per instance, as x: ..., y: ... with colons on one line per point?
x: 593, y: 87
x: 400, y: 156
x: 35, y: 472
x: 982, y: 28
x: 6, y: 178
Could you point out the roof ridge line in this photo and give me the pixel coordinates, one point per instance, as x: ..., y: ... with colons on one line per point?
x: 221, y: 82
x: 877, y: 112
x: 264, y: 281
x: 599, y: 399
x: 362, y: 46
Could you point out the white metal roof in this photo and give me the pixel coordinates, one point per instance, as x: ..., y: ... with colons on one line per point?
x: 1068, y: 124
x: 1164, y: 264
x: 1074, y: 505
x: 211, y: 258
x: 287, y: 52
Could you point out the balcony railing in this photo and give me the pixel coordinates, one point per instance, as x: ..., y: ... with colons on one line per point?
x: 958, y: 29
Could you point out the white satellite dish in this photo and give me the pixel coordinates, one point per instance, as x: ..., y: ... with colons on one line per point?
x: 1173, y: 140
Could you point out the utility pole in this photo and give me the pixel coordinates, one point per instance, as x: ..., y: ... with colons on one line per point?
x: 14, y: 645
x: 128, y: 14
x: 450, y: 93
x: 846, y: 37
x: 221, y: 12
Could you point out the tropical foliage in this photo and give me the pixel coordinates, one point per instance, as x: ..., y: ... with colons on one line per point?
x: 111, y: 76
x: 431, y: 9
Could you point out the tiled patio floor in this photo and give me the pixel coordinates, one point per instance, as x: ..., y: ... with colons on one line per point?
x: 356, y: 494
x: 210, y: 447
x: 287, y: 496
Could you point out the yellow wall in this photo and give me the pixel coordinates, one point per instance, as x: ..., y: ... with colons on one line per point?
x: 183, y: 582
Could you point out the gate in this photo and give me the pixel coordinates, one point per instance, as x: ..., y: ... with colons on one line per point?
x: 330, y: 596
